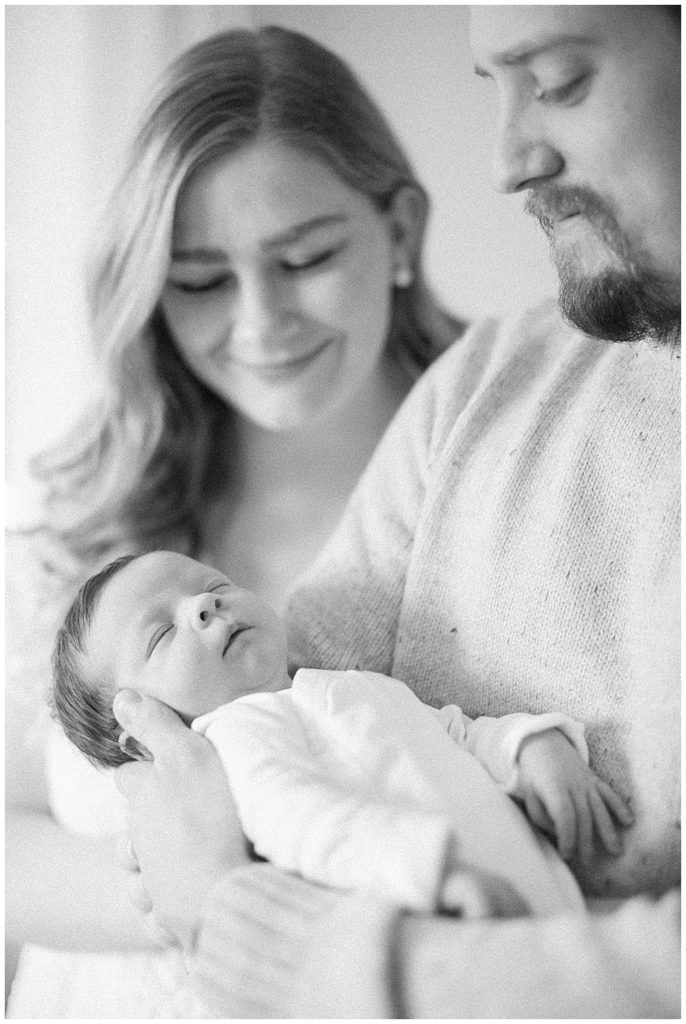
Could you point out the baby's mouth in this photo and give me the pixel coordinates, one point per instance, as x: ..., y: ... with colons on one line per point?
x: 234, y: 632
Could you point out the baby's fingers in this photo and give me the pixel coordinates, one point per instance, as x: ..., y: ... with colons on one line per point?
x: 538, y: 814
x: 605, y: 827
x: 563, y: 815
x: 584, y: 825
x: 614, y: 803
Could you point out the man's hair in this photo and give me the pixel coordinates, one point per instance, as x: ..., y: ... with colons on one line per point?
x: 83, y: 706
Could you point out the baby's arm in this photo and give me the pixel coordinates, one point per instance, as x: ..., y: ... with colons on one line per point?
x: 564, y: 797
x: 542, y: 760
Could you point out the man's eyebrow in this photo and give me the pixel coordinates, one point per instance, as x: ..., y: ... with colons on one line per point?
x: 204, y: 254
x: 526, y: 52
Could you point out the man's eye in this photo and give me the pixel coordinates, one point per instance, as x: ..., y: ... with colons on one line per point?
x: 158, y: 635
x: 569, y: 93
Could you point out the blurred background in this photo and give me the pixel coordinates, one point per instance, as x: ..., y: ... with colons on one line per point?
x: 77, y: 78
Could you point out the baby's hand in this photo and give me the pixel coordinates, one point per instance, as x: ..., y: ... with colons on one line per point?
x: 566, y: 799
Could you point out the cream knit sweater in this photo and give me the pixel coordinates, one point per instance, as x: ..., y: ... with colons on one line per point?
x: 514, y: 546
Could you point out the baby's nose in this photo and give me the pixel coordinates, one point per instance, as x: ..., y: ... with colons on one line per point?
x: 205, y: 607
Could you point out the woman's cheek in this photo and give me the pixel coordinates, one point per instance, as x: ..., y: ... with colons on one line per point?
x: 194, y: 321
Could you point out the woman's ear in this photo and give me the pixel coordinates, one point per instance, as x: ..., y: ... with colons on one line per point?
x: 407, y: 216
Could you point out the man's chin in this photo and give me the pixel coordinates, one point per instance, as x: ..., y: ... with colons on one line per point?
x: 616, y: 306
x: 580, y: 250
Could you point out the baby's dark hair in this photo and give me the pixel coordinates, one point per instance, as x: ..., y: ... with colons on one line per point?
x: 84, y: 708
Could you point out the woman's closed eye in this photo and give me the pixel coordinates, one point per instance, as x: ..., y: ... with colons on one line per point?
x: 198, y: 287
x: 158, y: 634
x: 310, y: 262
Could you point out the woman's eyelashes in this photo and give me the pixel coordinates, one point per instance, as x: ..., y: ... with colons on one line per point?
x: 198, y: 287
x: 288, y: 264
x: 311, y: 261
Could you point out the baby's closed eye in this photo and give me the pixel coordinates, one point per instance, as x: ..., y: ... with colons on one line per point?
x: 158, y: 634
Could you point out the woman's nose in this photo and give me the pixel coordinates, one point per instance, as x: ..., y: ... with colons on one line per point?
x: 523, y: 155
x: 262, y: 316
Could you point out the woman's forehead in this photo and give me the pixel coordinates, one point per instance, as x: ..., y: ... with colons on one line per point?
x: 272, y: 183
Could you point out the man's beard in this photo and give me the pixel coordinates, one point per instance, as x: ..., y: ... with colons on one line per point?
x: 622, y: 303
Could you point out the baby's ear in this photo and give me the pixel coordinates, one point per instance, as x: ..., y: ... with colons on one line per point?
x: 130, y: 746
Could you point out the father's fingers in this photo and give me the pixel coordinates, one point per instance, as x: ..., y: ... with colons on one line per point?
x: 151, y: 722
x: 129, y: 777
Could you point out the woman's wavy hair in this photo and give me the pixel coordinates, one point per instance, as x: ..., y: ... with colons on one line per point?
x: 138, y: 469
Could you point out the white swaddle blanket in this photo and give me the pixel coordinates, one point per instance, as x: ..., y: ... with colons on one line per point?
x: 349, y: 780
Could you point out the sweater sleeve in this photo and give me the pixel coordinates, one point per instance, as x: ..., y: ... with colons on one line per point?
x: 271, y: 945
x: 496, y: 742
x: 274, y: 946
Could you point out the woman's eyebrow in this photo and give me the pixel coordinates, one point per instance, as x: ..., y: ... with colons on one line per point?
x: 199, y: 255
x: 206, y: 254
x: 295, y: 233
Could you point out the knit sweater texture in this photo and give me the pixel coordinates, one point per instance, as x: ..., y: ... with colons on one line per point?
x: 514, y: 547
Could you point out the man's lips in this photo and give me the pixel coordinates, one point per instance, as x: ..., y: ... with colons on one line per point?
x: 556, y: 216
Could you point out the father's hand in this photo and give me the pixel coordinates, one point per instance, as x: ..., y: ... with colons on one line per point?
x: 182, y: 819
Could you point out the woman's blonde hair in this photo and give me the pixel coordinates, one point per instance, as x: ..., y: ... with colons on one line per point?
x: 140, y: 467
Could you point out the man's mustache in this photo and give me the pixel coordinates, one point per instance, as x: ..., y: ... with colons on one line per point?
x: 553, y: 203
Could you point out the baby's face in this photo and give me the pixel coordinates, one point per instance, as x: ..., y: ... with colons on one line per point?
x: 178, y: 630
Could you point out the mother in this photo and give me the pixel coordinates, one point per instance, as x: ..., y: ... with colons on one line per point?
x: 259, y: 311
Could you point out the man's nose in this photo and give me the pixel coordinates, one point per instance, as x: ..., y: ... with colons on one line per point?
x: 523, y: 154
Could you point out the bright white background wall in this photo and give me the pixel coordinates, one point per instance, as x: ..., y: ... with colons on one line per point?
x: 76, y: 77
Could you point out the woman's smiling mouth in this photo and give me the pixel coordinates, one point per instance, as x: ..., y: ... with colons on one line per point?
x: 273, y: 370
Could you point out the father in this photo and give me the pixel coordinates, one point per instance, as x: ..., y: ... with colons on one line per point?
x: 513, y: 546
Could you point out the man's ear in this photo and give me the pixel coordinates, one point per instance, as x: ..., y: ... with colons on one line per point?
x: 407, y: 215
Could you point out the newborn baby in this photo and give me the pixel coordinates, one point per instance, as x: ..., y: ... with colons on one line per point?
x: 344, y: 777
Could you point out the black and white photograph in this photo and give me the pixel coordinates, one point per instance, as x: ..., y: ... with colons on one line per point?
x: 342, y: 511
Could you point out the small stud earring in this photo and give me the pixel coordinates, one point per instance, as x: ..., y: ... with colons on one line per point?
x: 403, y: 277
